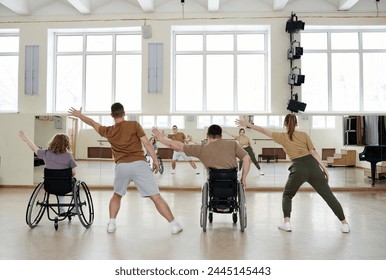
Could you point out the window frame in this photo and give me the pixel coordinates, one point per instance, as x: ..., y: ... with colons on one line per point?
x: 222, y: 30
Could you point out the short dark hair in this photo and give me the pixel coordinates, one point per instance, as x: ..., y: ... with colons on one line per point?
x: 117, y: 110
x: 214, y: 131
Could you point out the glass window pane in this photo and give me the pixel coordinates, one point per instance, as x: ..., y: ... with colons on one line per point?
x: 162, y: 121
x: 222, y: 42
x: 230, y: 121
x: 189, y: 42
x: 9, y: 66
x: 345, y: 82
x: 374, y: 82
x: 179, y: 121
x: 107, y: 121
x: 318, y: 122
x: 251, y: 79
x: 260, y: 120
x: 70, y: 43
x: 69, y: 78
x: 313, y: 41
x: 219, y: 120
x: 374, y: 40
x: 315, y: 90
x: 348, y: 41
x: 203, y: 121
x: 189, y: 83
x: 99, y: 43
x: 219, y: 83
x: 128, y: 83
x: 128, y: 43
x: 330, y: 122
x: 86, y: 126
x: 250, y: 42
x: 98, y: 83
x: 147, y: 121
x: 275, y: 121
x: 9, y: 44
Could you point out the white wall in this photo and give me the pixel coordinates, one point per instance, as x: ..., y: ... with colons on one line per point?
x: 16, y: 159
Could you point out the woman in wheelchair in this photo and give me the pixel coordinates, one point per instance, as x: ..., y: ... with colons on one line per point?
x: 57, y: 156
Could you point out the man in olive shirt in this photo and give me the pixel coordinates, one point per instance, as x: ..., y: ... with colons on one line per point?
x: 179, y: 136
x: 216, y: 153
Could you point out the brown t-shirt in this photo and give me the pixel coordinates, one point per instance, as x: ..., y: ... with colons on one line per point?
x: 125, y: 141
x: 300, y: 145
x: 243, y: 141
x: 179, y: 136
x: 220, y: 154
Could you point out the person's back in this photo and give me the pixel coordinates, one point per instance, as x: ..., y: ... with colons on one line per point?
x: 220, y: 154
x: 125, y: 140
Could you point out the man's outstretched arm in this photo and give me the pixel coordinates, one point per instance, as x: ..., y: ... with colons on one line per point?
x: 78, y: 114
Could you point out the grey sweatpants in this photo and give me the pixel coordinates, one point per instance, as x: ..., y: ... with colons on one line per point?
x: 307, y: 169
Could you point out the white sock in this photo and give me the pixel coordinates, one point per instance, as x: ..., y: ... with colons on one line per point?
x: 112, y: 221
x: 174, y: 222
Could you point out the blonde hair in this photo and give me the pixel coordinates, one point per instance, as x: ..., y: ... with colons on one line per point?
x: 60, y: 143
x: 290, y: 121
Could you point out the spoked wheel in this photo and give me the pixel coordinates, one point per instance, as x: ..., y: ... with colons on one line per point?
x: 204, y: 206
x: 36, y: 207
x: 83, y: 204
x: 161, y: 166
x: 242, y: 207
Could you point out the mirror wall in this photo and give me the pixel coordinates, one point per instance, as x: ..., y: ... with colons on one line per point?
x: 338, y: 139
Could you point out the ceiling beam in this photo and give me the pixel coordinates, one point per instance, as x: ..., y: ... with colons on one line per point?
x: 279, y: 4
x: 345, y: 5
x: 213, y: 5
x: 18, y: 6
x: 83, y: 6
x: 147, y: 5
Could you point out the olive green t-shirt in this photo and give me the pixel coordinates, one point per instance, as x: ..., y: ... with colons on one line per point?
x: 125, y: 141
x: 299, y: 146
x: 219, y: 154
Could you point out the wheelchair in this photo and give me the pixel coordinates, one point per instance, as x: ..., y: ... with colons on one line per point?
x: 160, y: 163
x: 223, y: 193
x: 58, y: 184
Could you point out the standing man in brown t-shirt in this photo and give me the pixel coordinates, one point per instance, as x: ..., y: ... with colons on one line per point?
x: 126, y: 139
x: 216, y: 153
x: 180, y: 137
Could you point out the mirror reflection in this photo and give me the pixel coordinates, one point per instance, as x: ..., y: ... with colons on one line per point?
x: 338, y: 139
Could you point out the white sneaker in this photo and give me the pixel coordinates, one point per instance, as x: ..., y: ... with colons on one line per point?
x: 197, y: 172
x: 285, y: 226
x: 111, y: 227
x: 261, y: 172
x: 176, y: 228
x: 173, y: 171
x: 345, y: 228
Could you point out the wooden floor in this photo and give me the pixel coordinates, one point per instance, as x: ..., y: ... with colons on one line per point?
x: 142, y: 234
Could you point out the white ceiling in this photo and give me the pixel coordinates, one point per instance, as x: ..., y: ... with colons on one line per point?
x: 12, y: 8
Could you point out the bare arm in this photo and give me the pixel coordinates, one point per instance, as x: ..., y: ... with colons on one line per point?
x: 254, y: 127
x: 315, y: 154
x: 78, y: 114
x: 30, y: 144
x: 175, y: 145
x: 246, y: 167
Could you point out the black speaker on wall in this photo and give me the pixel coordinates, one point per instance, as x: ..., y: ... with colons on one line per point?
x: 296, y: 106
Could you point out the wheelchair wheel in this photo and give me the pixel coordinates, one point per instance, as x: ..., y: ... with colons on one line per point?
x: 35, y: 208
x: 204, y: 206
x: 83, y: 204
x: 242, y: 207
x: 161, y: 166
x: 234, y: 218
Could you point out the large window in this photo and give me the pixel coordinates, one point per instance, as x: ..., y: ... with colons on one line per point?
x: 344, y: 69
x: 93, y: 69
x: 218, y: 69
x: 9, y: 65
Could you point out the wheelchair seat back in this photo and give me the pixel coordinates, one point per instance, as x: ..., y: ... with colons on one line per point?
x: 58, y: 181
x: 222, y: 183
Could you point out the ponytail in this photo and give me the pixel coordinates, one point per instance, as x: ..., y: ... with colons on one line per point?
x: 290, y: 122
